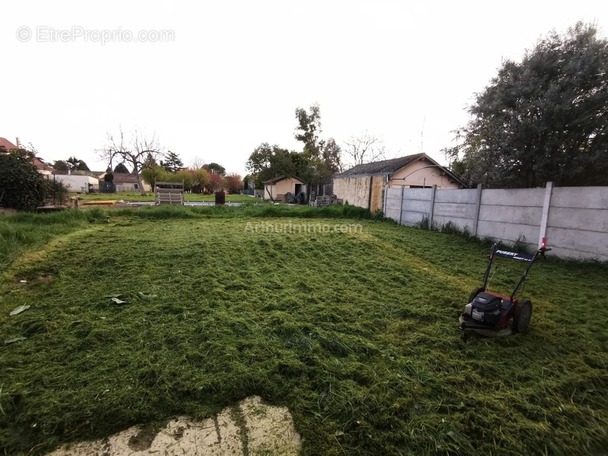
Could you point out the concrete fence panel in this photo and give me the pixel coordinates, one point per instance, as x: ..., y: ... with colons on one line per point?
x: 573, y: 219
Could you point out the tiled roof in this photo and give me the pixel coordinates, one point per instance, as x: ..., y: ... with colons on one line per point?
x: 382, y: 167
x: 7, y: 144
x: 124, y: 178
x: 41, y: 166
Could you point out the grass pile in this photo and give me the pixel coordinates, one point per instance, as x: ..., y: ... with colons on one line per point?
x: 150, y: 314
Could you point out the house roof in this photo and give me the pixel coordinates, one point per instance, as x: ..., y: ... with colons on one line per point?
x: 383, y: 167
x: 280, y: 178
x: 7, y: 144
x: 389, y: 167
x: 124, y: 178
x: 41, y: 166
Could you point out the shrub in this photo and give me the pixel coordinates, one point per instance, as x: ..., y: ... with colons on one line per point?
x: 21, y: 186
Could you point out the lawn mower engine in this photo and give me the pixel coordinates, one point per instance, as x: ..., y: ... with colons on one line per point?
x: 488, y: 310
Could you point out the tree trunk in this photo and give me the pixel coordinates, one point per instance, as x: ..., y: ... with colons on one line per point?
x: 140, y: 183
x: 137, y: 171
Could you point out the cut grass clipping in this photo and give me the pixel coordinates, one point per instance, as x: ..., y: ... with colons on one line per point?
x: 138, y: 316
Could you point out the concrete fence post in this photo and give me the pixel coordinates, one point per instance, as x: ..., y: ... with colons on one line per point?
x: 545, y: 217
x: 477, y: 209
x: 432, y: 214
x: 384, y: 207
x: 401, y: 205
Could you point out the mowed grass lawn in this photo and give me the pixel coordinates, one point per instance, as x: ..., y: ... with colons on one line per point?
x: 355, y: 330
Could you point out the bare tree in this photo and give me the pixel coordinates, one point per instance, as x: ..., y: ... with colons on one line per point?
x: 364, y: 148
x: 197, y: 162
x: 137, y: 151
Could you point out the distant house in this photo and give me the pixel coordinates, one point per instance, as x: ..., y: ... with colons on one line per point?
x: 78, y: 183
x: 6, y: 146
x: 44, y: 169
x: 363, y: 185
x: 128, y: 183
x: 276, y: 189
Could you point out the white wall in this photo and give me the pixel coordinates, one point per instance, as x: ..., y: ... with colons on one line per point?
x: 77, y: 183
x: 576, y: 217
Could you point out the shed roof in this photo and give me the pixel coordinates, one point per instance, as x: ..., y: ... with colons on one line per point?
x: 280, y: 178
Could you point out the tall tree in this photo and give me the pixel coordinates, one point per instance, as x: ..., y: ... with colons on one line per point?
x: 134, y: 151
x: 215, y: 168
x: 309, y: 129
x: 172, y: 162
x: 323, y: 155
x: 74, y: 164
x: 150, y: 161
x: 543, y: 119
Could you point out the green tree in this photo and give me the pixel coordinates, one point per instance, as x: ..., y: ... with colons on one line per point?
x: 150, y: 161
x: 21, y: 185
x: 267, y: 162
x: 172, y: 162
x: 323, y: 156
x: 75, y: 164
x: 215, y: 168
x: 187, y: 177
x: 543, y: 119
x: 61, y: 166
x: 154, y: 174
x: 309, y: 128
x: 200, y: 180
x: 331, y: 161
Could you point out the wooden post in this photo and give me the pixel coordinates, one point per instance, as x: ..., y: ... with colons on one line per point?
x: 545, y: 217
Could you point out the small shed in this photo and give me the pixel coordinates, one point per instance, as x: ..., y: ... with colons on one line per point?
x: 363, y: 185
x: 276, y: 189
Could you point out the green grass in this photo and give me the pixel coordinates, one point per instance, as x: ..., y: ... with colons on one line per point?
x: 355, y: 332
x: 189, y: 197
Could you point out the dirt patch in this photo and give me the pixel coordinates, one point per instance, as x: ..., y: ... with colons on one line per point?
x: 248, y: 428
x: 142, y: 440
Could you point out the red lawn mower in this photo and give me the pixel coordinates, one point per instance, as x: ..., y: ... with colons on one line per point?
x: 492, y: 314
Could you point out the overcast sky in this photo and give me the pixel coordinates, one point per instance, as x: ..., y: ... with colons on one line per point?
x: 213, y: 80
